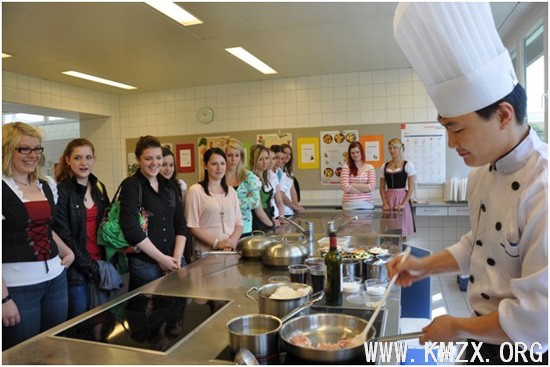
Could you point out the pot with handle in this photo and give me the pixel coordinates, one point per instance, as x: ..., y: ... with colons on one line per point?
x: 259, y: 332
x: 277, y: 307
x: 329, y: 328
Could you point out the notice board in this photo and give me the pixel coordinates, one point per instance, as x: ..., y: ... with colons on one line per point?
x: 424, y: 146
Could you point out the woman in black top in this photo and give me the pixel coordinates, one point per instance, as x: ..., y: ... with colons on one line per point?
x: 160, y: 245
x: 80, y: 208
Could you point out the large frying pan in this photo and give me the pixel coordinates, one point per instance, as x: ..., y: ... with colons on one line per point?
x: 330, y: 328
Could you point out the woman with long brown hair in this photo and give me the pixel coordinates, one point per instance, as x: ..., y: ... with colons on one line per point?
x: 358, y: 180
x: 80, y: 208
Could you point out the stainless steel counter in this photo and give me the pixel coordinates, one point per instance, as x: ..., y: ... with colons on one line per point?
x: 215, y: 277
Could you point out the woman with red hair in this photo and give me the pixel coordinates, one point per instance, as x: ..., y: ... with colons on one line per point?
x: 358, y: 180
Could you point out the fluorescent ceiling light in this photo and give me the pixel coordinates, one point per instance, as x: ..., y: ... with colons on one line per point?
x: 5, y: 55
x: 250, y: 59
x: 97, y: 79
x: 175, y: 12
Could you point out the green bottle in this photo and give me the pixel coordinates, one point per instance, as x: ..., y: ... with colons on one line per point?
x: 333, y: 262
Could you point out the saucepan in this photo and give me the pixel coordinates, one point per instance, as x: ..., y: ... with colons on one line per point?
x: 277, y: 307
x: 259, y: 332
x: 331, y: 329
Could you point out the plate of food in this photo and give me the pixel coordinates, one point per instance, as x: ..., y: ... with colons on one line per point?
x: 339, y: 138
x: 327, y: 138
x: 329, y: 172
x: 350, y: 137
x: 378, y: 251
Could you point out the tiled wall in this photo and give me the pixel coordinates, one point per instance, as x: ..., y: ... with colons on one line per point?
x: 389, y: 96
x: 437, y: 233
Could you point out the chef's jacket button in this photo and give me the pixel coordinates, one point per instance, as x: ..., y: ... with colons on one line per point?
x: 491, y: 262
x: 479, y: 243
x: 483, y: 208
x: 498, y: 226
x: 485, y: 295
x: 471, y: 278
x: 515, y: 185
x: 477, y: 313
x: 164, y: 229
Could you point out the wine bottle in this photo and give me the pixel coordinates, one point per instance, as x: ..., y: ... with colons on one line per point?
x: 333, y: 262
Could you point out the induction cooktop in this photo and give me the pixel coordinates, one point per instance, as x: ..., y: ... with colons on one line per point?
x: 150, y: 322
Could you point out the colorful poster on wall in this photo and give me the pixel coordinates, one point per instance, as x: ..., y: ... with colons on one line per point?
x: 374, y: 149
x: 185, y: 158
x: 334, y: 153
x: 308, y: 153
x: 279, y: 138
x: 206, y: 143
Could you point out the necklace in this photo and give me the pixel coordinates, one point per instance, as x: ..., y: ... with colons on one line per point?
x: 22, y: 183
x: 222, y: 214
x: 396, y: 164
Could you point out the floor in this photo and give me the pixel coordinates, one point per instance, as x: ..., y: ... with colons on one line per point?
x: 447, y: 298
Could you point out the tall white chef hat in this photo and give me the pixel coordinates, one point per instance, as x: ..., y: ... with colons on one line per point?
x: 457, y: 52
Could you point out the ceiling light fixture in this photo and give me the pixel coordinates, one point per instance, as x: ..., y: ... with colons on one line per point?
x: 175, y: 12
x: 5, y: 55
x: 250, y: 59
x: 97, y: 79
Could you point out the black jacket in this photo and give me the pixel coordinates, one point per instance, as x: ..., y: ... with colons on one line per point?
x: 70, y: 225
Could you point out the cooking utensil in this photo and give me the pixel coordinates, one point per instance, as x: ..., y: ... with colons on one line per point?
x: 323, y: 328
x: 285, y: 253
x: 255, y: 332
x: 245, y: 357
x: 360, y: 338
x: 251, y: 247
x: 314, y: 298
x: 277, y: 307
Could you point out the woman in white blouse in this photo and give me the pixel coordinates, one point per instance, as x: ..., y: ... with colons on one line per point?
x: 212, y: 208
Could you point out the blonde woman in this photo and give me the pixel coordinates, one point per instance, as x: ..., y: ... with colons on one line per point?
x: 34, y: 258
x: 264, y: 217
x: 245, y: 183
x: 397, y: 185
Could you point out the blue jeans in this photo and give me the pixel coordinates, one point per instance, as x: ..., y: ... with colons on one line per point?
x: 79, y: 299
x: 142, y: 272
x: 41, y: 307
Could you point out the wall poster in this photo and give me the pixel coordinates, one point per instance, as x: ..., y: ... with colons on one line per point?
x: 334, y: 153
x: 307, y: 153
x: 425, y: 148
x: 279, y: 138
x: 374, y: 149
x: 185, y: 158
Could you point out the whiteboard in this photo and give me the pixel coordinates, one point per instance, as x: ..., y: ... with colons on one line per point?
x: 425, y: 148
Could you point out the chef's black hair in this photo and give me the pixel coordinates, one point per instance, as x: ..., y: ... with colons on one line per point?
x: 517, y: 98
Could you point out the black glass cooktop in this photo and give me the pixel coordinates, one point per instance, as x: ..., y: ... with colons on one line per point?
x: 284, y: 358
x: 146, y: 322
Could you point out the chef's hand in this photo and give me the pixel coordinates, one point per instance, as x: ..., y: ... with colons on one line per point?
x: 10, y: 314
x: 441, y: 329
x: 409, y: 270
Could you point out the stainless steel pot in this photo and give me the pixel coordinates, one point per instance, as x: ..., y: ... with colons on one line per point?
x: 255, y: 332
x: 375, y: 269
x: 251, y: 247
x: 284, y: 253
x: 277, y: 307
x: 324, y: 328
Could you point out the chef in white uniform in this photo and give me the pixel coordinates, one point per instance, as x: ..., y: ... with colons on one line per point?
x: 457, y: 53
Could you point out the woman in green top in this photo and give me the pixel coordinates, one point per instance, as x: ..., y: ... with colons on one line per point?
x: 245, y: 183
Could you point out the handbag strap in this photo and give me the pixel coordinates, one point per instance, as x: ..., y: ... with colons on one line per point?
x: 140, y: 195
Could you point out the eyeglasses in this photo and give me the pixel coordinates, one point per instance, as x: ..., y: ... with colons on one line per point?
x: 28, y: 150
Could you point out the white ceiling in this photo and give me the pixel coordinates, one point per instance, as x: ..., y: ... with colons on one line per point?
x: 134, y: 44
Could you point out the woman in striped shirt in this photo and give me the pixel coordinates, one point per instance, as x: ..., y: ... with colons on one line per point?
x: 358, y: 180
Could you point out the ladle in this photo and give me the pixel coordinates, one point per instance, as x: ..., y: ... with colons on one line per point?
x: 360, y: 338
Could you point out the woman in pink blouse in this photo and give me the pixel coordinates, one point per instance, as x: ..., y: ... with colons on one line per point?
x: 358, y: 180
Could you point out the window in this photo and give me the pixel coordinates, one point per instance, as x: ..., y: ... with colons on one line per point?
x: 534, y: 78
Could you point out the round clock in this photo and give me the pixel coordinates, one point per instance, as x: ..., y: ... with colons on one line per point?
x: 205, y: 114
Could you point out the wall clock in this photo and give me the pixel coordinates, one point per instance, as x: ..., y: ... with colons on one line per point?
x: 205, y: 114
